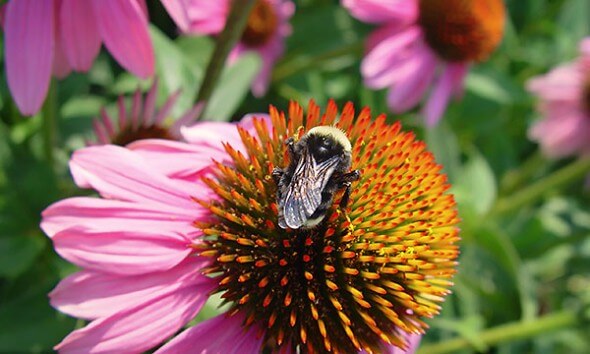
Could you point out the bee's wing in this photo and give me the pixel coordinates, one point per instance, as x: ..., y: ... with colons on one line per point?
x: 304, y: 193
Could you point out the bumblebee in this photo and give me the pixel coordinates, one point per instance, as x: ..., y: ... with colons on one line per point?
x: 319, y: 167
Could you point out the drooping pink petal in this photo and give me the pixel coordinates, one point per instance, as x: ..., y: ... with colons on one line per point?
x: 391, y: 59
x: 221, y: 334
x: 178, y: 12
x: 116, y: 172
x: 141, y: 327
x: 122, y: 252
x: 93, y: 294
x: 123, y: 28
x: 561, y: 135
x: 113, y: 215
x: 563, y: 83
x: 379, y: 11
x: 79, y: 33
x: 29, y: 50
x: 408, y: 92
x: 205, y: 16
x: 269, y: 54
x: 439, y: 99
x: 149, y: 104
x: 61, y: 67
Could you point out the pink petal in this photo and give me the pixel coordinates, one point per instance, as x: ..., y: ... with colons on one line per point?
x: 189, y: 163
x: 269, y: 54
x: 413, y: 341
x: 61, y: 67
x: 221, y: 334
x: 92, y: 294
x: 206, y: 16
x: 79, y: 33
x: 119, y: 173
x: 214, y: 134
x: 561, y: 135
x: 562, y: 83
x: 379, y: 11
x: 122, y: 252
x: 407, y: 93
x: 439, y: 99
x: 29, y: 41
x: 392, y: 59
x: 113, y: 215
x: 141, y: 327
x: 177, y: 10
x: 124, y: 29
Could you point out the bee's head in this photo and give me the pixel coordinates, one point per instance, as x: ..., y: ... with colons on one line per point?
x: 327, y: 141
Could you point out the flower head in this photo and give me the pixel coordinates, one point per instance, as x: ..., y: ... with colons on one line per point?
x: 160, y: 242
x: 55, y: 37
x: 265, y: 31
x: 564, y: 95
x: 144, y: 121
x: 425, y: 43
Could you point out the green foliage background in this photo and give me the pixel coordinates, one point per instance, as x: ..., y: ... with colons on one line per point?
x: 526, y: 233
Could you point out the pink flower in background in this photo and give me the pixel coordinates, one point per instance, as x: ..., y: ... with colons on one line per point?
x: 564, y: 95
x: 422, y: 45
x: 54, y: 37
x: 265, y: 31
x: 143, y: 121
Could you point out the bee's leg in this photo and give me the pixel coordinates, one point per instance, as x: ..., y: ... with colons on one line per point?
x: 344, y: 181
x: 277, y: 174
x: 291, y: 147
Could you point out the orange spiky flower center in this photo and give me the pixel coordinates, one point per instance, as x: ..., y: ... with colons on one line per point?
x: 364, y: 277
x: 131, y: 134
x: 262, y: 24
x: 462, y: 30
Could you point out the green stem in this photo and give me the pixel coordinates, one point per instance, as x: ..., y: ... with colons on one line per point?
x: 49, y: 111
x: 235, y: 25
x: 507, y: 333
x: 534, y: 191
x: 301, y: 63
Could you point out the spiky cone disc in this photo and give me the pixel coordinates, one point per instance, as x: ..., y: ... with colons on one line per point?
x: 365, y: 276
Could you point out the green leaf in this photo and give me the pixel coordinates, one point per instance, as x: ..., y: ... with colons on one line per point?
x: 175, y: 72
x: 233, y: 86
x: 487, y: 87
x: 475, y: 187
x: 442, y: 141
x: 29, y: 324
x: 18, y: 253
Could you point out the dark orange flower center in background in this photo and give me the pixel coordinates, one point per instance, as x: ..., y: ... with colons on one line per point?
x: 262, y: 24
x: 462, y: 30
x: 131, y: 134
x: 364, y: 277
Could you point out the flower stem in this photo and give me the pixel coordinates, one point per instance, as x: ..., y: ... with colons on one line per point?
x: 50, y: 124
x: 234, y: 27
x: 534, y: 191
x: 508, y: 332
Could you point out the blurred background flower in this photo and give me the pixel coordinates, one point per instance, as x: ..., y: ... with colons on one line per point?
x: 266, y: 29
x: 564, y: 103
x: 425, y: 47
x: 143, y: 120
x: 54, y: 37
